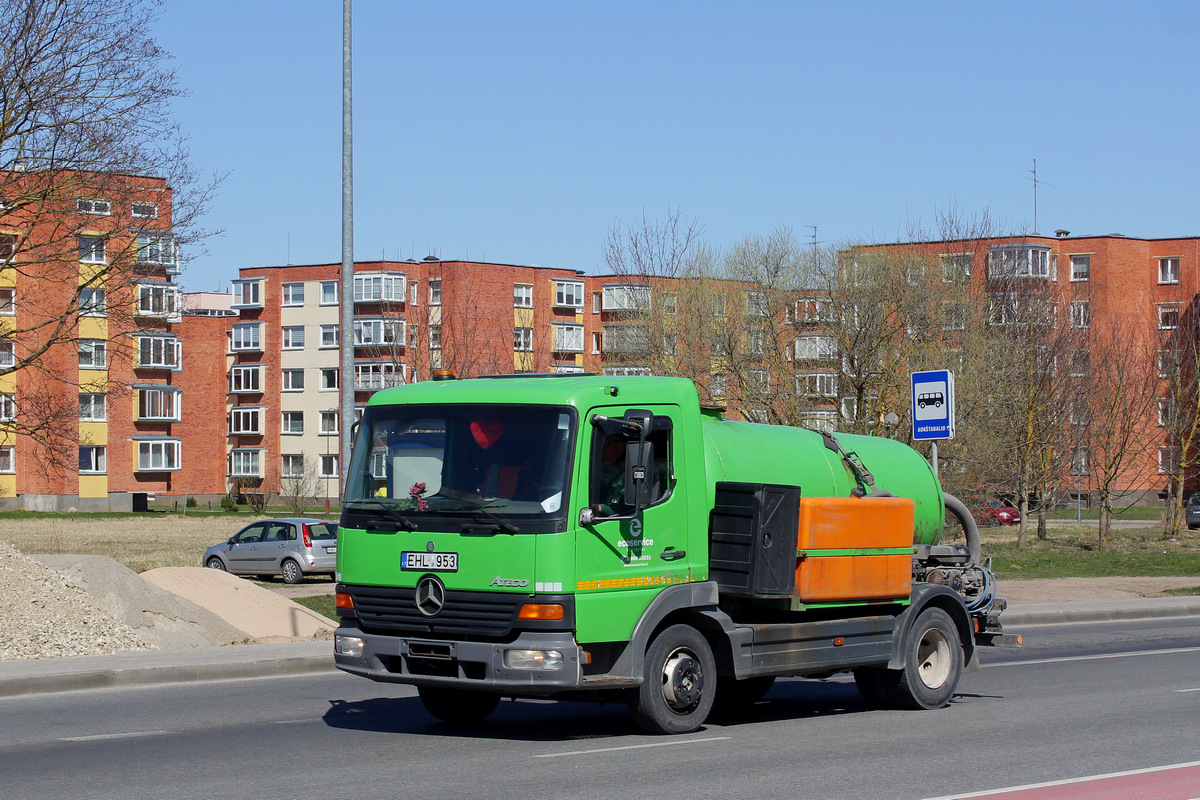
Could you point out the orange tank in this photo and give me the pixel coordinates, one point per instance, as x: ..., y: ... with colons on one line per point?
x: 831, y: 526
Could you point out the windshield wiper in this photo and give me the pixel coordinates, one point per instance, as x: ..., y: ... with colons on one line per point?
x: 498, y: 523
x: 389, y: 511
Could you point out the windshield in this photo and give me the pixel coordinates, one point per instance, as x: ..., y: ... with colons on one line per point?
x: 483, y: 463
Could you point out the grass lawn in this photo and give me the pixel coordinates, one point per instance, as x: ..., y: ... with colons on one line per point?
x: 322, y: 604
x: 1069, y: 551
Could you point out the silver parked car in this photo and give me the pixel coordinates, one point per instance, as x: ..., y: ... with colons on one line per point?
x: 290, y: 547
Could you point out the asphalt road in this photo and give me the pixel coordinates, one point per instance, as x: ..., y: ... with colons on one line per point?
x: 1075, y: 701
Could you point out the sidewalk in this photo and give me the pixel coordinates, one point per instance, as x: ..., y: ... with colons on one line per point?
x: 265, y: 660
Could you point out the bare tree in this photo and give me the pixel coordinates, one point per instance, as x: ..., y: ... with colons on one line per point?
x: 299, y: 490
x: 89, y: 156
x: 1178, y: 360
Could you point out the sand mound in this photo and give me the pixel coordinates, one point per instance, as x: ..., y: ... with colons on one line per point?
x: 259, y: 613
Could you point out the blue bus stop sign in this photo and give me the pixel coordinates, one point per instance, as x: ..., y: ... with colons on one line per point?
x: 933, y: 404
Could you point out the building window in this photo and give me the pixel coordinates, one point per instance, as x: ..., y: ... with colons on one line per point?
x: 246, y: 294
x: 100, y: 207
x: 626, y: 339
x: 523, y: 340
x: 245, y: 421
x: 329, y: 466
x: 329, y: 379
x: 716, y: 386
x: 1164, y: 413
x: 379, y: 332
x: 435, y: 292
x: 523, y: 295
x: 1019, y: 261
x: 597, y: 338
x: 435, y: 337
x: 329, y: 336
x: 597, y: 302
x: 954, y: 316
x: 1081, y: 268
x: 718, y: 305
x: 292, y: 467
x: 293, y: 380
x: 8, y: 461
x: 93, y: 354
x: 1168, y: 270
x: 757, y: 304
x: 817, y: 384
x: 245, y: 379
x: 92, y: 250
x: 8, y: 302
x: 244, y: 463
x: 758, y: 380
x: 568, y: 294
x: 293, y: 422
x: 568, y: 338
x: 8, y: 242
x: 293, y: 337
x: 810, y: 348
x: 158, y: 405
x: 93, y: 302
x: 1166, y: 461
x: 159, y: 352
x: 8, y: 408
x: 1081, y: 315
x: 670, y: 303
x: 144, y: 210
x: 329, y: 293
x: 93, y: 407
x: 93, y: 460
x: 626, y: 297
x: 379, y: 288
x: 244, y: 336
x: 414, y: 292
x: 293, y: 294
x: 155, y: 300
x: 8, y: 354
x: 956, y: 267
x: 156, y: 248
x: 820, y: 421
x: 373, y: 377
x: 158, y: 455
x: 329, y: 423
x: 1168, y: 316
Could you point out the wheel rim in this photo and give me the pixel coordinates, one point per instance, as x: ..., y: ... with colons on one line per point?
x: 682, y: 681
x: 215, y: 564
x: 933, y: 658
x: 290, y: 571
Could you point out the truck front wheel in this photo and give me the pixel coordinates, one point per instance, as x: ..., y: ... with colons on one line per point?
x: 679, y: 685
x: 933, y: 663
x: 458, y: 706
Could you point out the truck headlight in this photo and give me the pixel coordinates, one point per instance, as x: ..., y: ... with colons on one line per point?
x: 348, y: 646
x: 533, y: 659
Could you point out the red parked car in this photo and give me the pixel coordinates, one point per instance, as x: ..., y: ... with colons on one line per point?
x: 992, y: 511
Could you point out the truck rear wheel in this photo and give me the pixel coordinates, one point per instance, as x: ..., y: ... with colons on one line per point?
x: 458, y: 706
x: 680, y: 682
x: 933, y: 663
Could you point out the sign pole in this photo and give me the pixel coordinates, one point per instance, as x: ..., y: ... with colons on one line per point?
x: 933, y: 458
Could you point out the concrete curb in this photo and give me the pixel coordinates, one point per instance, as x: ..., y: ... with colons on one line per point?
x: 164, y: 666
x: 267, y: 660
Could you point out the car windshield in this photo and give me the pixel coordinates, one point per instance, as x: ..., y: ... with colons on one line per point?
x: 496, y: 465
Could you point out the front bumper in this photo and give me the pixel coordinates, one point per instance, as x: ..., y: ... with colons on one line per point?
x: 465, y: 665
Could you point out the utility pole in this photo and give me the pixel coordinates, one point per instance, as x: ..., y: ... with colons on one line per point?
x: 346, y: 335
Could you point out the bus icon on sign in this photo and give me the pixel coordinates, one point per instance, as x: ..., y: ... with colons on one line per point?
x: 935, y: 399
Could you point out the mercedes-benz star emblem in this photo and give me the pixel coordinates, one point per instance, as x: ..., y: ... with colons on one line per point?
x: 431, y: 596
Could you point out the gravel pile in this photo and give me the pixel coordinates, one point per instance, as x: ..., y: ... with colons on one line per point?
x: 44, y: 615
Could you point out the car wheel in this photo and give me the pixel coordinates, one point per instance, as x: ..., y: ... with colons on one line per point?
x: 680, y: 682
x: 458, y: 706
x: 291, y: 572
x: 216, y: 563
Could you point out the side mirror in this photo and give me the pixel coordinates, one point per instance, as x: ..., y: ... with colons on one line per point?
x: 638, y: 458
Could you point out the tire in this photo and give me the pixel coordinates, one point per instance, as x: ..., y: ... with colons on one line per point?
x: 680, y: 682
x: 933, y: 663
x: 290, y: 571
x: 736, y: 695
x: 216, y: 563
x: 875, y: 684
x: 458, y: 706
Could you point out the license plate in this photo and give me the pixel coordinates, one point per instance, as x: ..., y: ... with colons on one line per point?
x: 331, y: 550
x: 430, y: 562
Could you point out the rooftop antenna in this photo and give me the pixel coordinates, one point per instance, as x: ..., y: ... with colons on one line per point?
x: 814, y: 235
x: 1035, y: 183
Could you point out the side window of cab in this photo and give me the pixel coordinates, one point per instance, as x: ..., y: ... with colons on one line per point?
x: 614, y: 460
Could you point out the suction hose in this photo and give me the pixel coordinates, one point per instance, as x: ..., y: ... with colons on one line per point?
x: 967, y: 520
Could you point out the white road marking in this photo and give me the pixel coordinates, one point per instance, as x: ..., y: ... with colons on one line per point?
x: 1102, y: 656
x: 1067, y: 782
x: 633, y: 747
x: 98, y: 736
x: 1183, y: 691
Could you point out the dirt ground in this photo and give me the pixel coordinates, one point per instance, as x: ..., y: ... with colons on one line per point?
x: 1071, y: 590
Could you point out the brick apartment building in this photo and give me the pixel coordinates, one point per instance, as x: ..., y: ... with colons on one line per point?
x: 89, y: 354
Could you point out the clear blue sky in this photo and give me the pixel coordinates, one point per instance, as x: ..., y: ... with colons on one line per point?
x: 520, y: 132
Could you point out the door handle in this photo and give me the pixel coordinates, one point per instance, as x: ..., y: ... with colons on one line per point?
x: 672, y: 555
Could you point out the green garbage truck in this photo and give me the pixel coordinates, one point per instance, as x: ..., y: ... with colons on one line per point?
x: 610, y: 538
